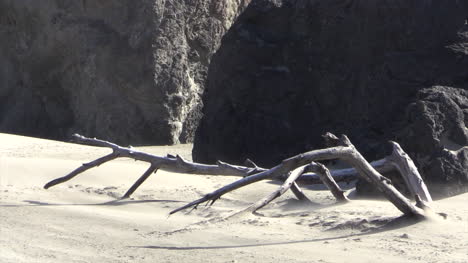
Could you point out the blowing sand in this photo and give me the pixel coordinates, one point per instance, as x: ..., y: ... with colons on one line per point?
x: 82, y: 221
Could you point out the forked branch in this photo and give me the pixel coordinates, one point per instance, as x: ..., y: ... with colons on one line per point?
x: 170, y: 163
x: 343, y: 150
x: 291, y: 170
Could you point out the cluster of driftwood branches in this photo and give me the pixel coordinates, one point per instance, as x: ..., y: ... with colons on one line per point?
x: 302, y: 167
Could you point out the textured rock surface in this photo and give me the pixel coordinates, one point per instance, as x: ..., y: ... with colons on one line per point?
x: 127, y: 71
x: 436, y: 136
x: 288, y: 71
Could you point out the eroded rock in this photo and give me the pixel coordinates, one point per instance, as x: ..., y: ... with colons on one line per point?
x: 289, y: 71
x: 126, y: 71
x: 436, y: 137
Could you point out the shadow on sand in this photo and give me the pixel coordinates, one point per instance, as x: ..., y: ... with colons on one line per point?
x: 391, y: 224
x: 118, y: 202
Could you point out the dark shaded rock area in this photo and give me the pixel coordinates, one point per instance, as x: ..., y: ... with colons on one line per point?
x: 289, y: 70
x: 436, y: 136
x: 126, y: 71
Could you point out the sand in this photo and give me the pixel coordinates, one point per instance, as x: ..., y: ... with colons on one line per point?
x: 82, y: 220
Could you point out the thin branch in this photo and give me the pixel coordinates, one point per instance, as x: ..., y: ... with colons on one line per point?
x: 297, y: 191
x: 82, y: 168
x: 291, y: 182
x: 152, y: 169
x: 169, y: 163
x: 328, y: 180
x: 293, y: 175
x: 213, y: 196
x: 347, y: 175
x: 276, y: 172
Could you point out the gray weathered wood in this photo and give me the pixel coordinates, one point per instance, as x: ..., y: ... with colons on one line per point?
x: 342, y: 149
x: 152, y: 169
x: 353, y: 157
x: 179, y: 165
x: 297, y: 191
x: 169, y: 163
x: 327, y: 180
x: 413, y: 180
x: 293, y: 175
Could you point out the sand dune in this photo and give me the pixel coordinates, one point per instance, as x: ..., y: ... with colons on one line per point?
x: 82, y: 221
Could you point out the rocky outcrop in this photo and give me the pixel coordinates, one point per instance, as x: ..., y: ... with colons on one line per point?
x: 126, y: 71
x: 436, y: 136
x: 288, y: 71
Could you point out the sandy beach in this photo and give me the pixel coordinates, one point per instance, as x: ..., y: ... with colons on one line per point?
x: 82, y: 220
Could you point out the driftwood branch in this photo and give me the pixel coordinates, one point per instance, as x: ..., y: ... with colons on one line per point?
x: 327, y: 180
x: 320, y: 169
x: 179, y: 165
x: 293, y: 175
x: 353, y: 157
x: 347, y: 174
x: 170, y: 163
x: 413, y: 180
x: 297, y: 191
x: 290, y: 171
x: 343, y: 150
x: 151, y: 169
x: 81, y: 169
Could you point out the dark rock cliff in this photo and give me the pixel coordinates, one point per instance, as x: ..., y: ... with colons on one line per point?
x: 288, y: 71
x: 436, y: 136
x: 127, y: 71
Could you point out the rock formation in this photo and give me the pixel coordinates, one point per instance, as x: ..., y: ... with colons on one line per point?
x: 288, y: 71
x: 126, y: 71
x: 436, y: 134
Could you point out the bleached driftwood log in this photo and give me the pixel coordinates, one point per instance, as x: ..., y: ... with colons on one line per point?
x: 342, y: 149
x: 398, y: 161
x: 413, y: 180
x: 179, y: 165
x: 170, y: 163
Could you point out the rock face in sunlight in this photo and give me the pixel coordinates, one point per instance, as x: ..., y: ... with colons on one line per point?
x: 127, y: 71
x: 288, y: 71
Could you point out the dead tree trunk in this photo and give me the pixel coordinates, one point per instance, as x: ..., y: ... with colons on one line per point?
x: 294, y: 167
x: 170, y: 163
x: 343, y: 150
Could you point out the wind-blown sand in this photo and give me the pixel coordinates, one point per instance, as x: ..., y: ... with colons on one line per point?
x: 82, y: 221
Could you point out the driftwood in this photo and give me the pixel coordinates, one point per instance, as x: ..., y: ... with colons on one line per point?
x: 292, y: 170
x: 343, y: 150
x: 320, y: 169
x: 170, y: 163
x: 327, y: 180
x: 413, y: 180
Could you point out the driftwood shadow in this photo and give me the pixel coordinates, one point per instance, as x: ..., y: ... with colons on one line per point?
x: 108, y: 203
x: 392, y: 224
